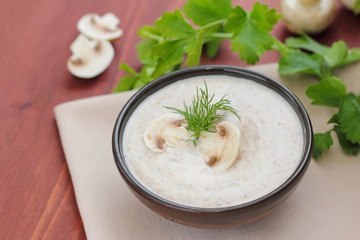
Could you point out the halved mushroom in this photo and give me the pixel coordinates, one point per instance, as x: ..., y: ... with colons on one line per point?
x: 221, y: 148
x: 167, y: 130
x: 89, y: 57
x: 307, y: 16
x: 102, y: 28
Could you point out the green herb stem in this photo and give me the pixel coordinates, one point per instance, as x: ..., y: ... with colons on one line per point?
x: 221, y: 35
x: 279, y: 46
x: 154, y: 36
x: 212, y: 24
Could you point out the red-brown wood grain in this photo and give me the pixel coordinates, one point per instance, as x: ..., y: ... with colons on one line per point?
x: 36, y: 194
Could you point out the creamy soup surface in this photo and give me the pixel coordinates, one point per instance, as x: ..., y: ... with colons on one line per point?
x: 271, y: 145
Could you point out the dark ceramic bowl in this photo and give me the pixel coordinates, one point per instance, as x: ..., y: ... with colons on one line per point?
x: 212, y: 217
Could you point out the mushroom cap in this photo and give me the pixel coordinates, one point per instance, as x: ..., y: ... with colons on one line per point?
x: 102, y: 28
x: 90, y: 57
x: 307, y: 18
x: 351, y: 5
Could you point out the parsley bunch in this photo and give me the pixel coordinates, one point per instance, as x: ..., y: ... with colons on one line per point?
x: 306, y: 56
x: 172, y: 40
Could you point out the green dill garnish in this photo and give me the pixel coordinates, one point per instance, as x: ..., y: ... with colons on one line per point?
x: 202, y: 115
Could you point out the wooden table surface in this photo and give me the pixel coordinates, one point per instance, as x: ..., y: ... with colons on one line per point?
x: 37, y: 199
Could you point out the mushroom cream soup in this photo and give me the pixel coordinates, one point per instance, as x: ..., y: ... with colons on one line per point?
x: 270, y: 147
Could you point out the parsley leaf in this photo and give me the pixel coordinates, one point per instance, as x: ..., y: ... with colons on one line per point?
x: 296, y: 61
x: 322, y: 141
x: 212, y: 47
x: 349, y: 118
x: 128, y: 81
x: 128, y: 69
x: 173, y: 25
x: 336, y: 54
x: 319, y: 60
x: 212, y: 43
x: 168, y: 55
x: 194, y: 49
x: 328, y: 92
x: 353, y: 56
x: 251, y: 37
x: 347, y: 146
x: 125, y: 83
x: 306, y: 43
x: 144, y: 49
x: 134, y: 80
x: 334, y: 119
x: 203, y: 12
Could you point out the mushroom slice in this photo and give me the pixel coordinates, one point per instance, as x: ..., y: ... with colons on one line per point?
x: 102, y: 28
x: 89, y: 57
x: 167, y: 130
x: 221, y: 148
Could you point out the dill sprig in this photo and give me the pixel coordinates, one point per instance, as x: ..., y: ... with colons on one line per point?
x: 202, y: 115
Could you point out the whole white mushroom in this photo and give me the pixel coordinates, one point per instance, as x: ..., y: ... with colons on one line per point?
x: 307, y: 16
x: 353, y: 5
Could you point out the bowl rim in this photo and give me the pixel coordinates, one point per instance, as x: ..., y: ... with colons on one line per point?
x: 184, y: 73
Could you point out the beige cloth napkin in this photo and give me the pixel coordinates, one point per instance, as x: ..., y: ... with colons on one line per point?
x: 326, y: 205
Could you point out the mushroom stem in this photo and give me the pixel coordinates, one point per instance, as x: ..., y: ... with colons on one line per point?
x: 308, y: 3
